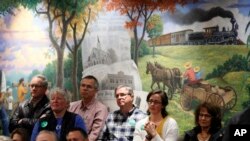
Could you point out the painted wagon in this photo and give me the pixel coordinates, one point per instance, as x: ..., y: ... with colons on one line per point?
x: 224, y: 97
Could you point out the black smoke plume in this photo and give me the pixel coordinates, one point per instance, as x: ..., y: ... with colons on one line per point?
x: 199, y: 15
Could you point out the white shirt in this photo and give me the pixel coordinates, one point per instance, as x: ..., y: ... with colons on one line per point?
x: 169, y: 131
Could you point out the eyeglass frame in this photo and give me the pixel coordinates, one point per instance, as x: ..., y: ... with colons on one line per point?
x: 155, y: 102
x: 122, y: 95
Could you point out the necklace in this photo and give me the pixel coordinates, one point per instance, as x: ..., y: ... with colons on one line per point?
x: 203, y: 138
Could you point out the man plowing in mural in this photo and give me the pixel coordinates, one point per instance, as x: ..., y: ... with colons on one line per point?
x: 120, y: 124
x: 91, y: 110
x: 21, y: 90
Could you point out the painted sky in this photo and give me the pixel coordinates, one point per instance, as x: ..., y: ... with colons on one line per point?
x: 24, y: 41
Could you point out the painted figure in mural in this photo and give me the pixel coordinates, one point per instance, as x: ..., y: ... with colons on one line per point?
x: 189, y: 74
x: 21, y: 90
x: 58, y: 119
x: 20, y: 134
x: 27, y: 112
x: 46, y: 135
x: 120, y: 124
x: 92, y: 111
x: 3, y: 114
x: 77, y: 134
x: 208, y: 124
x: 158, y: 126
x: 198, y: 74
x: 239, y: 119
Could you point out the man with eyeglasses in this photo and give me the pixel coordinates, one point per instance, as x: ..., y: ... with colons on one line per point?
x: 27, y: 112
x: 120, y: 125
x: 91, y: 110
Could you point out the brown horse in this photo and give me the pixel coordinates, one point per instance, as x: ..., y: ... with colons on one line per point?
x: 176, y: 80
x: 160, y: 75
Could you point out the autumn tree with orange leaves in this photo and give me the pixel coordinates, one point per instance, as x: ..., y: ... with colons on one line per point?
x: 139, y: 12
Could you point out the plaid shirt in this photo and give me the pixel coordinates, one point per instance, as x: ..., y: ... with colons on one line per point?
x: 119, y: 127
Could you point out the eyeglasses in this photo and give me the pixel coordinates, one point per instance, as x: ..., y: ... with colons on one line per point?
x: 154, y: 102
x: 205, y: 115
x: 122, y: 95
x: 35, y: 86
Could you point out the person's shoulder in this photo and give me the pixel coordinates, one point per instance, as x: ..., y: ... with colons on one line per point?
x: 74, y: 103
x: 100, y: 104
x: 242, y: 117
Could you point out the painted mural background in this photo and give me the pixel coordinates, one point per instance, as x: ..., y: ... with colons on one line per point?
x: 212, y: 35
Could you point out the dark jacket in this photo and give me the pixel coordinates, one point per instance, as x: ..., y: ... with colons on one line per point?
x: 191, y: 135
x: 242, y: 118
x: 49, y: 123
x: 28, y: 114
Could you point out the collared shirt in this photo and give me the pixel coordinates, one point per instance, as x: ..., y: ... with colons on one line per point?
x: 94, y: 115
x: 119, y: 127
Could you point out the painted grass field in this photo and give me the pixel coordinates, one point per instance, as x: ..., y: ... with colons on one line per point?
x: 207, y: 58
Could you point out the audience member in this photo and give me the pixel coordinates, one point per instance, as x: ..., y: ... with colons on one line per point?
x: 27, y: 112
x: 120, y: 124
x: 92, y: 111
x: 3, y: 114
x: 77, y: 134
x: 59, y: 119
x: 239, y: 119
x: 46, y: 135
x: 21, y: 90
x: 20, y: 134
x: 208, y: 124
x: 158, y: 126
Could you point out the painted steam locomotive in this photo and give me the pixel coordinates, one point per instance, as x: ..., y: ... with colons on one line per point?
x: 210, y: 36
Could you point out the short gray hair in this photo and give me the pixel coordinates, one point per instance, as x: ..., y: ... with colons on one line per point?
x: 66, y: 94
x: 130, y: 90
x: 43, y: 78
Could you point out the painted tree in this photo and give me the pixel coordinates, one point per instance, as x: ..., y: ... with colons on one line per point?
x: 248, y: 37
x: 139, y: 12
x: 76, y: 34
x: 60, y: 15
x: 154, y: 28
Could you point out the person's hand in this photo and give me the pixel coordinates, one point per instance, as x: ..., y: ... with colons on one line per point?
x: 150, y: 129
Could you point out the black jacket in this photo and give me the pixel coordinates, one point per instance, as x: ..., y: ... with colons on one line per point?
x: 49, y: 123
x: 242, y: 118
x: 191, y: 135
x: 28, y: 114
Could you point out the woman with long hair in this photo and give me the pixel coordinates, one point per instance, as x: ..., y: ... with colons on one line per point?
x: 208, y: 124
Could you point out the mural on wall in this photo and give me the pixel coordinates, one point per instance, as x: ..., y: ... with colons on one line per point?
x: 149, y: 50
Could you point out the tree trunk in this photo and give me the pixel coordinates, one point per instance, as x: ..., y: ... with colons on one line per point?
x: 60, y: 71
x: 74, y: 74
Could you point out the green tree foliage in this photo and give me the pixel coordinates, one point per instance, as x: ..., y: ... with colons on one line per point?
x: 236, y: 63
x: 50, y: 73
x: 33, y: 73
x: 8, y: 6
x: 144, y: 49
x: 154, y: 28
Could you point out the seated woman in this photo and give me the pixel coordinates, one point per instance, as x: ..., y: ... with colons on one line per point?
x: 59, y: 119
x: 158, y: 126
x: 20, y: 134
x: 208, y: 124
